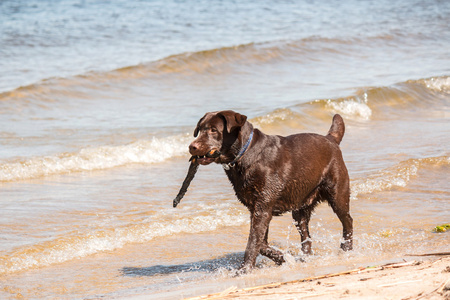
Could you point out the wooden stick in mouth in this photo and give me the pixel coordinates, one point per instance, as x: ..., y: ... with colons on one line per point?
x: 193, y: 167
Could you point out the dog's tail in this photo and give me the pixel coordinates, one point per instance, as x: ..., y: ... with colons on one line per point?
x: 337, y: 129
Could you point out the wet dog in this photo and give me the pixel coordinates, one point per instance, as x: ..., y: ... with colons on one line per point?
x: 272, y: 175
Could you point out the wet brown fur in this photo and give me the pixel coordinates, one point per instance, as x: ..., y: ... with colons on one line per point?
x: 278, y: 174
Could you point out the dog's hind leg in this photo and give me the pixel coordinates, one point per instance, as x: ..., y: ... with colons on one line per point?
x: 347, y: 225
x: 341, y: 208
x: 302, y: 218
x: 270, y: 252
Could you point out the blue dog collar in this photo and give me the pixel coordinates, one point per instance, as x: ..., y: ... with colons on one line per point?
x: 241, y: 152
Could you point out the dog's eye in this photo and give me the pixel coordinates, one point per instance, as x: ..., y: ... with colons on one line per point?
x: 213, y: 129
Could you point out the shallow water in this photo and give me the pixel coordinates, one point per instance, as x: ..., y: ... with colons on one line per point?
x: 99, y: 102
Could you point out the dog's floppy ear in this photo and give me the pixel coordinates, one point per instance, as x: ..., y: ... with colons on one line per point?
x: 197, y: 128
x: 233, y: 119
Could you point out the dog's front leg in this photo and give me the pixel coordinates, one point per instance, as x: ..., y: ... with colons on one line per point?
x: 260, y: 219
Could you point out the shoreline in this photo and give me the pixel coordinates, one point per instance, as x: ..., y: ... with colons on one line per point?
x: 417, y: 277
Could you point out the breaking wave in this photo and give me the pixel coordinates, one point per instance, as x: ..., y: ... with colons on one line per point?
x: 79, y: 244
x: 100, y: 158
x: 367, y: 102
x: 395, y: 176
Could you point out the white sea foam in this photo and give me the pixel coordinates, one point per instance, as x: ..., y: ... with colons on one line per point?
x: 352, y: 107
x: 99, y: 158
x: 440, y: 84
x: 81, y: 245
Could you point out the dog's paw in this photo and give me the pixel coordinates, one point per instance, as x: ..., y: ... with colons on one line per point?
x: 347, y: 245
x: 306, y: 247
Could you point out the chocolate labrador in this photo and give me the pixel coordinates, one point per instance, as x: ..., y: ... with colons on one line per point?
x: 272, y: 175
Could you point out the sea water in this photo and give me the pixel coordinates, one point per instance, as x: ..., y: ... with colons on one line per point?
x: 99, y: 100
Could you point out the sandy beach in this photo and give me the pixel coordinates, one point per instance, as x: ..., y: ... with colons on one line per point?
x: 426, y: 277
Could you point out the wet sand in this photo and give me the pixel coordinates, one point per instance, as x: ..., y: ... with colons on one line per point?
x: 426, y: 277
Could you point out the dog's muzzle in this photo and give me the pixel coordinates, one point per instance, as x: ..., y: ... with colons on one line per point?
x: 207, y: 158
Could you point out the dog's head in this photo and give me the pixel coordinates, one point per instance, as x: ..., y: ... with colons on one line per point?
x: 216, y: 133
